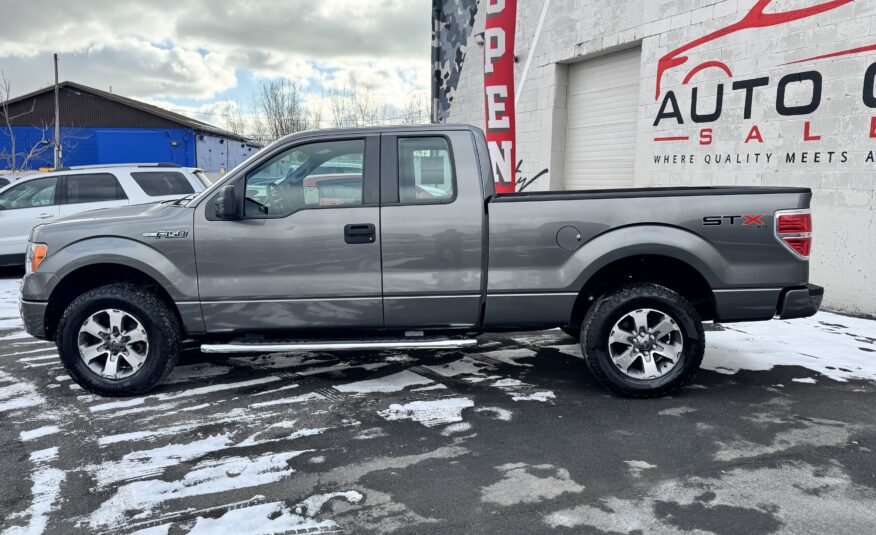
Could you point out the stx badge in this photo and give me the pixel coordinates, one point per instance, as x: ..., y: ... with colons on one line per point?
x: 733, y: 220
x: 169, y: 234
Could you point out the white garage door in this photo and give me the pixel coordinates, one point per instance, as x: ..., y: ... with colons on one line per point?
x: 603, y: 106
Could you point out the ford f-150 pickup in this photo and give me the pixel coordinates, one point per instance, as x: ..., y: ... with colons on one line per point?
x: 394, y: 237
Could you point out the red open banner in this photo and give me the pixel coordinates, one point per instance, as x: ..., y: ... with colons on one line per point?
x: 499, y: 31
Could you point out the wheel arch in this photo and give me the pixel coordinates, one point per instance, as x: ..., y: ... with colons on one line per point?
x: 668, y: 256
x: 89, y: 276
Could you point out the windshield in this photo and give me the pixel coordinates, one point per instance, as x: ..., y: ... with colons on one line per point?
x: 203, y: 178
x: 216, y: 185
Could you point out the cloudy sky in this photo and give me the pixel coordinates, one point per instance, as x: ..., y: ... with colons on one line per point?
x: 193, y: 56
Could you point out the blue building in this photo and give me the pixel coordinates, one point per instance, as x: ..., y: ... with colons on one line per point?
x: 98, y: 127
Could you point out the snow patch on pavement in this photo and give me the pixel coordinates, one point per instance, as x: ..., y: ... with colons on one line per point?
x: 429, y: 413
x: 46, y: 492
x: 182, y: 394
x: 522, y: 483
x: 391, y: 383
x: 275, y: 517
x: 497, y: 412
x: 208, y: 477
x: 511, y: 356
x: 147, y: 463
x: 463, y: 366
x: 838, y: 347
x: 637, y: 467
x: 39, y: 432
x: 18, y: 395
x: 45, y: 455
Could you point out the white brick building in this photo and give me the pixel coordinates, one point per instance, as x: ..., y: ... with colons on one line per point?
x: 591, y: 112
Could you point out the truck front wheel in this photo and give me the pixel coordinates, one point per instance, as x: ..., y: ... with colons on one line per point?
x: 118, y: 340
x: 643, y: 340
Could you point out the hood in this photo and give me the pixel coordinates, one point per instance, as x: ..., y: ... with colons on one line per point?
x: 130, y: 222
x: 119, y: 214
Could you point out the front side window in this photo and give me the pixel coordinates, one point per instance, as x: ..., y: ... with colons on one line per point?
x: 31, y: 194
x: 425, y: 170
x: 307, y: 176
x: 93, y: 188
x: 160, y: 183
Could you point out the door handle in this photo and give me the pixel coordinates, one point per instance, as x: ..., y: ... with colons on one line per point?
x: 360, y: 233
x: 45, y: 216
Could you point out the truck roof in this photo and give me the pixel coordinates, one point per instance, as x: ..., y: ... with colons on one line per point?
x: 387, y: 129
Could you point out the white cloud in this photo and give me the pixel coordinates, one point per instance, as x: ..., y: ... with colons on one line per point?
x: 196, y: 49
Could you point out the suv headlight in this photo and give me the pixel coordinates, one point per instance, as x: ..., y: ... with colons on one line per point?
x: 36, y: 253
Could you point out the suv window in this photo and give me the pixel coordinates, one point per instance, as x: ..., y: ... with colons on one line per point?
x: 299, y: 178
x: 93, y: 188
x: 157, y: 184
x: 425, y: 170
x: 30, y: 194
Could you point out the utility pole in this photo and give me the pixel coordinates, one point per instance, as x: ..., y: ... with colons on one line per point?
x: 57, y: 119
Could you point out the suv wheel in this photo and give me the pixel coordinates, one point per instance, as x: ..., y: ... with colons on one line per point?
x: 118, y: 340
x: 643, y: 340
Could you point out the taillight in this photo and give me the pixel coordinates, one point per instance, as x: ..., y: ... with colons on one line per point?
x: 794, y: 231
x: 795, y: 223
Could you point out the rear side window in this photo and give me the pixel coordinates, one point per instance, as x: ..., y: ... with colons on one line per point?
x: 160, y: 183
x: 425, y: 171
x: 93, y: 188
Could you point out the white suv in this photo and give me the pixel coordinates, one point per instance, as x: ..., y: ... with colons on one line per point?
x: 41, y: 198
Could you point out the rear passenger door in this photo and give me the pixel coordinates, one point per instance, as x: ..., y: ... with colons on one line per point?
x: 92, y: 191
x: 432, y: 223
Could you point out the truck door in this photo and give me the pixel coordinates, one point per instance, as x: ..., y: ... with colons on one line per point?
x: 432, y: 219
x: 306, y: 254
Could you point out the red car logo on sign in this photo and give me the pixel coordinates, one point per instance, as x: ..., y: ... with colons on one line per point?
x: 757, y: 17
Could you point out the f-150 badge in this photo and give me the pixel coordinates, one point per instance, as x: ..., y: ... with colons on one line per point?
x: 169, y: 234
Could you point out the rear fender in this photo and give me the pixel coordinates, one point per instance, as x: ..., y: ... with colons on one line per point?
x: 626, y: 242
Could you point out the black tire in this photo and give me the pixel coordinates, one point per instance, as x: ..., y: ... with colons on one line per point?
x: 159, y: 321
x: 611, y: 308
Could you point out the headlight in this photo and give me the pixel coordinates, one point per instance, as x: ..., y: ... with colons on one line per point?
x: 36, y: 253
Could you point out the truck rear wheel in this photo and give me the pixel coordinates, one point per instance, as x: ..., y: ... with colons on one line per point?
x: 643, y: 341
x: 118, y: 340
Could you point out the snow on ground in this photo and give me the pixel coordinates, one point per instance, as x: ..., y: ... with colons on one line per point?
x: 283, y: 442
x: 839, y: 347
x: 9, y: 317
x: 391, y: 383
x: 429, y: 413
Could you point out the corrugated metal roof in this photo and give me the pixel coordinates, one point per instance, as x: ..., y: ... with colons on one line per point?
x: 83, y: 107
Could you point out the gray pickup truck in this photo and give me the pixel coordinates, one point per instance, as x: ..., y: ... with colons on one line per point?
x: 394, y: 238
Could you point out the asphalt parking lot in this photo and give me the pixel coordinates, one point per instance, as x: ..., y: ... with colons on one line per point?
x: 776, y: 435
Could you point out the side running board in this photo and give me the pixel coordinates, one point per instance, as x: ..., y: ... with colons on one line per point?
x: 282, y: 346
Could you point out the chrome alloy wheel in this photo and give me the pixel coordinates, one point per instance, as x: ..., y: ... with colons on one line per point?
x: 113, y: 344
x: 645, y: 344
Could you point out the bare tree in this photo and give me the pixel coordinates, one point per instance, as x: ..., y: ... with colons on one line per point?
x: 356, y: 106
x: 233, y: 118
x: 14, y: 156
x: 281, y: 109
x: 416, y: 111
x: 23, y: 153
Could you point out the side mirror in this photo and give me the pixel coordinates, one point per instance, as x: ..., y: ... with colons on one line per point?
x: 226, y: 204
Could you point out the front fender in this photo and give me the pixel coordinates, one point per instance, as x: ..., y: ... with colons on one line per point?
x: 177, y: 277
